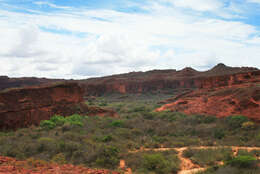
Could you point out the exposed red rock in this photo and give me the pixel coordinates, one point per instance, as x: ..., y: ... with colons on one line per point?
x: 7, y: 82
x: 243, y: 99
x: 13, y: 166
x: 150, y: 81
x: 142, y: 82
x: 27, y: 106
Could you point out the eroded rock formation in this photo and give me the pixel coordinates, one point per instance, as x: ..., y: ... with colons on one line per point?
x: 142, y: 82
x: 27, y: 106
x: 7, y: 82
x: 242, y: 99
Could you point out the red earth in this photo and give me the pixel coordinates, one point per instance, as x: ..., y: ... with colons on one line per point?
x: 30, y: 166
x: 243, y: 99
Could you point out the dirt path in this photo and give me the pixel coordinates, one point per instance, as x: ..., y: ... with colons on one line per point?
x: 187, y: 166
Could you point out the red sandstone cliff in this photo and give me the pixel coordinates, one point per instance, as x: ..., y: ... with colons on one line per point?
x: 6, y: 82
x: 142, y: 82
x: 27, y: 106
x: 243, y: 99
x: 150, y: 81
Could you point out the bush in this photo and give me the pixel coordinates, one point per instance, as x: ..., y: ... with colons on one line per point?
x: 210, y: 119
x: 188, y: 153
x: 47, y: 144
x: 236, y: 121
x: 139, y: 109
x: 75, y: 120
x: 59, y: 159
x: 249, y: 125
x: 242, y: 161
x: 148, y: 115
x: 117, y: 123
x: 58, y: 120
x: 47, y: 124
x: 205, y: 157
x: 108, y: 157
x: 219, y: 133
x: 157, y: 163
x: 107, y: 138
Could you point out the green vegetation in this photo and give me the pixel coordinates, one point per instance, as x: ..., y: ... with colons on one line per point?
x: 230, y: 170
x: 208, y: 157
x: 243, y: 161
x: 150, y: 161
x: 241, y: 164
x: 236, y: 121
x: 73, y: 120
x: 102, y: 141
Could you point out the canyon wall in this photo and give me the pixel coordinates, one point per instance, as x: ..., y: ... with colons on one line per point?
x: 7, y: 82
x: 155, y: 83
x: 28, y: 106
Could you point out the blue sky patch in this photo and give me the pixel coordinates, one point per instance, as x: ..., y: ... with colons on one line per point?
x: 66, y: 32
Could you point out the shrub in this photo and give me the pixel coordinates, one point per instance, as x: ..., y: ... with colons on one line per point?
x: 249, y: 125
x: 148, y: 115
x: 108, y: 157
x: 47, y: 124
x: 58, y: 120
x: 205, y: 157
x: 107, y: 138
x: 59, y: 158
x: 219, y: 133
x: 236, y: 121
x: 158, y: 164
x: 70, y: 147
x: 210, y: 119
x: 117, y: 123
x: 75, y: 119
x: 188, y: 153
x: 47, y: 144
x: 242, y: 161
x: 139, y: 109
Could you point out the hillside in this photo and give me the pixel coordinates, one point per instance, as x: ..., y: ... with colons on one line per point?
x: 165, y: 80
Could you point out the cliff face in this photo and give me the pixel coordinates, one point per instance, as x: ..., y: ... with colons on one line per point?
x: 27, y: 106
x: 186, y: 78
x: 243, y: 99
x: 229, y: 80
x: 150, y: 81
x: 6, y: 82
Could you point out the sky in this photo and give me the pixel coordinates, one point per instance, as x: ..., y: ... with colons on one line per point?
x: 90, y: 38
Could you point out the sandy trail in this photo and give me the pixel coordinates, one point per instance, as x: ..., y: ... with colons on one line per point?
x: 187, y: 166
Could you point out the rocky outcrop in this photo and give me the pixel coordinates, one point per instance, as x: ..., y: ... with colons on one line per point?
x: 23, y: 107
x: 161, y: 80
x: 150, y: 81
x: 242, y: 99
x: 7, y: 82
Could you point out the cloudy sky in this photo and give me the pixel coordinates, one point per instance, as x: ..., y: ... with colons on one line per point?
x: 87, y: 38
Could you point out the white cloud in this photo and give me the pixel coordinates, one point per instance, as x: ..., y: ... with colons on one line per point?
x: 118, y: 42
x: 199, y: 5
x: 41, y: 3
x: 254, y: 1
